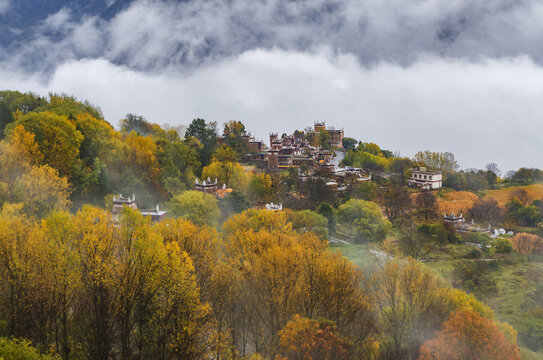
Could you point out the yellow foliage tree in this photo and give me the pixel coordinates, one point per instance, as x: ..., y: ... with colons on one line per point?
x: 226, y: 172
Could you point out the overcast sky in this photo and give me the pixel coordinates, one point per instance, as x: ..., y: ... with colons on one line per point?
x: 464, y: 76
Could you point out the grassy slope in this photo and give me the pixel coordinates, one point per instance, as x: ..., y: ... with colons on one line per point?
x: 535, y: 191
x: 359, y: 254
x: 515, y: 280
x: 530, y: 355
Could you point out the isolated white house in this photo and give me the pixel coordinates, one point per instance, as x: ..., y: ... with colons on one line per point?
x: 425, y: 179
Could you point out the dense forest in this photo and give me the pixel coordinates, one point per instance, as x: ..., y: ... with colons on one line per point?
x: 227, y: 279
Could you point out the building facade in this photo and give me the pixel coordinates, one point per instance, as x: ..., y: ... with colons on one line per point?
x: 426, y: 180
x: 208, y: 187
x: 335, y: 136
x: 120, y: 202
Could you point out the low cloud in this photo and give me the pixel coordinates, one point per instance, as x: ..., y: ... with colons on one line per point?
x: 157, y: 35
x: 483, y: 111
x: 4, y: 6
x: 462, y: 76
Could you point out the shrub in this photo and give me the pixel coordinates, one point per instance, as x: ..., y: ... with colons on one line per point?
x: 475, y: 276
x: 474, y: 253
x: 365, y: 220
x: 20, y: 350
x: 502, y: 246
x: 196, y: 206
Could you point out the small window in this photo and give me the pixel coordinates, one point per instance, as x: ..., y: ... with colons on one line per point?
x: 430, y: 177
x: 425, y: 177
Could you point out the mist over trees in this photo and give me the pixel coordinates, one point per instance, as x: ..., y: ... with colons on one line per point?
x: 221, y: 277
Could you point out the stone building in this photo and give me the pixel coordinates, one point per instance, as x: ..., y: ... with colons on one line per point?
x: 156, y: 214
x: 252, y: 145
x: 120, y: 202
x: 452, y: 219
x: 274, y: 207
x: 212, y: 187
x: 208, y: 187
x: 335, y: 139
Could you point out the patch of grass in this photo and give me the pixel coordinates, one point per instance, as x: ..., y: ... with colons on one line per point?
x: 359, y: 254
x: 535, y: 191
x: 515, y: 280
x: 449, y: 252
x: 526, y: 354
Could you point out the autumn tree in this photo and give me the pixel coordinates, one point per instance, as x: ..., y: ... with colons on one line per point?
x: 57, y: 233
x: 202, y: 245
x: 95, y: 308
x: 136, y: 123
x: 38, y: 188
x: 309, y: 221
x: 314, y: 191
x: 410, y: 307
x: 196, y: 206
x: 43, y: 191
x: 486, y: 210
x: 69, y: 106
x: 365, y: 220
x: 57, y: 138
x: 528, y: 244
x: 232, y: 134
x: 207, y: 137
x: 140, y: 156
x: 436, y: 160
x: 16, y: 102
x: 468, y: 335
x: 303, y: 338
x: 366, y: 190
x: 16, y: 275
x: 397, y: 203
x: 282, y: 273
x: 427, y: 203
x: 415, y: 243
x: 522, y: 196
x: 22, y: 349
x: 178, y: 162
x: 260, y: 188
x: 229, y: 173
x: 225, y: 153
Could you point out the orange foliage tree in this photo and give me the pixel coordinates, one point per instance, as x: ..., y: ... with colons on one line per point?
x: 303, y: 339
x: 281, y: 273
x: 468, y: 335
x: 527, y: 244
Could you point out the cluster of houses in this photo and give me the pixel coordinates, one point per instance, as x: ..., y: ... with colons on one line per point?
x: 300, y: 150
x: 296, y: 150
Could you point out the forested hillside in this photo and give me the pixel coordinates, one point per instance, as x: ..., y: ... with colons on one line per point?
x: 225, y: 277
